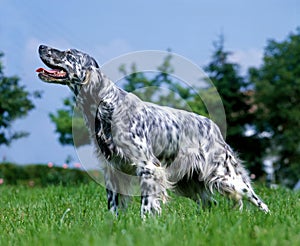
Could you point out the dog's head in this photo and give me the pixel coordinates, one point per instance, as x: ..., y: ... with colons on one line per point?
x: 68, y: 67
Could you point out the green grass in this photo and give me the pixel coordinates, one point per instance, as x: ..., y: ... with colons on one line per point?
x: 33, y: 216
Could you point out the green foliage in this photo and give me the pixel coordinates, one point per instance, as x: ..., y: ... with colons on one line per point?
x: 41, y: 175
x: 78, y: 216
x: 277, y: 97
x: 67, y: 123
x: 159, y: 87
x: 15, y: 103
x: 237, y: 101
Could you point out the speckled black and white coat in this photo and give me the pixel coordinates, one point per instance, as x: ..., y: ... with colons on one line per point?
x: 165, y: 147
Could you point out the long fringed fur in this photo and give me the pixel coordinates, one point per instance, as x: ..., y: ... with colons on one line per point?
x: 159, y: 147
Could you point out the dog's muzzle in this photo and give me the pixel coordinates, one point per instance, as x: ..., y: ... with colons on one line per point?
x: 55, y: 74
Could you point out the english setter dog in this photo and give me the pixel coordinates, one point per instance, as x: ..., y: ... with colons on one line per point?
x: 165, y: 147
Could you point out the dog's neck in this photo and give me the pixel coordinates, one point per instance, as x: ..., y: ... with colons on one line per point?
x: 97, y: 88
x: 98, y: 92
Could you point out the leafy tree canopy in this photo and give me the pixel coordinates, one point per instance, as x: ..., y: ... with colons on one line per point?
x: 15, y: 103
x: 68, y: 121
x: 159, y: 87
x: 277, y: 97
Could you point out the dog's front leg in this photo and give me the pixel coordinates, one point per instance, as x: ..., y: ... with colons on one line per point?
x: 111, y: 183
x: 153, y: 185
x: 112, y: 201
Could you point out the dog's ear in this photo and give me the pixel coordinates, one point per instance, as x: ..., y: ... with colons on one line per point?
x: 92, y: 62
x: 87, y: 76
x: 95, y: 63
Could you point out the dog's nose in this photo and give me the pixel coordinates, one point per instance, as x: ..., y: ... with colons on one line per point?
x: 42, y: 47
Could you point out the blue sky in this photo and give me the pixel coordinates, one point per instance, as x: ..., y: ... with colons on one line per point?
x: 106, y: 29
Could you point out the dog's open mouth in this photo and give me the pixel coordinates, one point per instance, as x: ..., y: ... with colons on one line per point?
x: 55, y: 73
x: 52, y: 75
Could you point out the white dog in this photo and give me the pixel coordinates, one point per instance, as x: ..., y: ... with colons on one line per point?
x: 164, y: 147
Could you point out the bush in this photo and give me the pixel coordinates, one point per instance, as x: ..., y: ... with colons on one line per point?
x: 41, y: 175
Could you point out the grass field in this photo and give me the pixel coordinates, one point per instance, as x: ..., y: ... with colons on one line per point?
x: 40, y: 216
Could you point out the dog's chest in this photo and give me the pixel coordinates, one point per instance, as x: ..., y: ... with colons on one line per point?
x: 103, y: 131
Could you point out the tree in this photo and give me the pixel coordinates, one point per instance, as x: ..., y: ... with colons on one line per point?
x: 277, y: 97
x: 237, y: 99
x: 15, y: 103
x: 67, y: 120
x: 158, y: 87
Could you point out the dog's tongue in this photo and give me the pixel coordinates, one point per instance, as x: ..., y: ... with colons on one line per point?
x: 55, y: 73
x: 40, y: 70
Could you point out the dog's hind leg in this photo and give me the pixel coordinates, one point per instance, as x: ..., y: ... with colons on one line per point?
x: 237, y: 189
x: 111, y: 183
x: 249, y: 193
x: 231, y: 179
